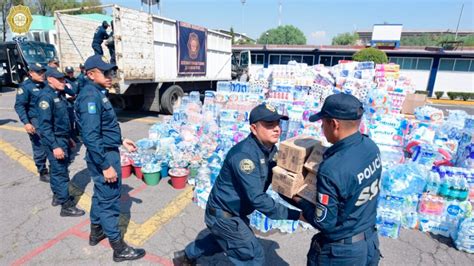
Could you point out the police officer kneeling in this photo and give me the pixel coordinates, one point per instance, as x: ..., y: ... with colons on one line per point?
x: 348, y: 186
x: 55, y: 130
x: 102, y: 137
x: 238, y: 191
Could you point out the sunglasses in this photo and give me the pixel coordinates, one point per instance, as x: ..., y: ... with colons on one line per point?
x: 108, y: 73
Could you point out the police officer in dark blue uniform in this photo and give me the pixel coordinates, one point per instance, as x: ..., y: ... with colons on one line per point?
x: 348, y: 188
x: 238, y: 191
x: 25, y: 107
x: 72, y: 90
x: 99, y: 36
x: 55, y: 131
x: 70, y: 79
x: 111, y: 44
x: 102, y: 137
x: 81, y: 78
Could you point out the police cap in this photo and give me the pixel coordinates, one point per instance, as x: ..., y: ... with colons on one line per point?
x: 265, y: 112
x: 96, y: 61
x: 36, y: 67
x: 54, y: 72
x: 69, y: 69
x: 340, y: 106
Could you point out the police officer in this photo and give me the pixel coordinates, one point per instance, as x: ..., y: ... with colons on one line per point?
x: 348, y: 188
x: 111, y: 44
x: 53, y: 62
x: 81, y: 78
x: 55, y: 131
x: 70, y: 79
x: 238, y: 191
x: 25, y: 107
x: 72, y: 90
x: 99, y: 36
x: 102, y: 137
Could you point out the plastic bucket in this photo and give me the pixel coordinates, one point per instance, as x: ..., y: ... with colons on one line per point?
x: 151, y: 179
x: 179, y: 177
x: 126, y: 171
x: 164, y: 170
x: 138, y: 172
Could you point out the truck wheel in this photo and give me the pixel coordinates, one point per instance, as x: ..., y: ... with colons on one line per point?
x: 170, y: 97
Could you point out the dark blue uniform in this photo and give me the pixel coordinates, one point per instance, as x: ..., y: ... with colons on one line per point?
x: 238, y: 191
x: 99, y: 36
x: 81, y: 81
x: 55, y: 133
x: 345, y: 213
x: 25, y: 107
x: 101, y: 134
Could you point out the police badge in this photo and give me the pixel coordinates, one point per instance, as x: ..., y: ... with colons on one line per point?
x: 247, y: 166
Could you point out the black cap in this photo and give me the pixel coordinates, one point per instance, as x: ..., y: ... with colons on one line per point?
x: 105, y: 23
x: 54, y: 60
x: 265, y: 112
x: 340, y: 106
x: 69, y: 69
x: 96, y: 61
x: 54, y: 72
x: 81, y: 65
x: 36, y: 67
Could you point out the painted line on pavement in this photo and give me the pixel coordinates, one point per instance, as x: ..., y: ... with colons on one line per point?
x: 19, y: 129
x: 138, y: 236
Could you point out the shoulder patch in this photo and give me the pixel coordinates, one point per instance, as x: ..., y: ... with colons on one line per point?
x: 91, y: 108
x: 321, y: 212
x: 20, y: 91
x: 105, y: 100
x: 44, y: 105
x: 247, y: 166
x: 323, y: 198
x: 56, y: 100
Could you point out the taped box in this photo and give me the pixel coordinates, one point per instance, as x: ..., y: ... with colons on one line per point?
x: 309, y: 188
x: 293, y: 153
x: 315, y: 158
x: 287, y: 183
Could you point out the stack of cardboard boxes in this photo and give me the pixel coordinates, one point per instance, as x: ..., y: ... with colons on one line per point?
x: 297, y: 164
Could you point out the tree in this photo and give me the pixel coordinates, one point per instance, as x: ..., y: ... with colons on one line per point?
x: 287, y: 34
x: 345, y: 39
x: 371, y: 54
x: 232, y: 34
x: 47, y: 7
x: 5, y: 6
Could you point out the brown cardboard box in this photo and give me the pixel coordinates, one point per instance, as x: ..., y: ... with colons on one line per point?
x: 286, y: 183
x: 293, y: 152
x: 315, y: 158
x: 309, y: 193
x: 412, y: 101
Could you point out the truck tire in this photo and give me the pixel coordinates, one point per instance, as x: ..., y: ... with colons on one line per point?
x: 171, y: 95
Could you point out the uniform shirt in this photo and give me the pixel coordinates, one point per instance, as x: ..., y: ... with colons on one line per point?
x: 26, y: 98
x: 74, y: 84
x: 348, y: 188
x: 100, y: 35
x: 99, y: 126
x: 81, y: 81
x: 245, y: 176
x: 53, y: 118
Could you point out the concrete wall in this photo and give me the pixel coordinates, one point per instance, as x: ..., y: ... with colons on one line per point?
x: 454, y: 81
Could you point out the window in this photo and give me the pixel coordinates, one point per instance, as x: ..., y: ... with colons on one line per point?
x: 46, y: 37
x: 409, y: 63
x: 424, y: 64
x: 36, y: 36
x: 296, y: 58
x: 308, y: 59
x: 325, y: 60
x: 274, y: 59
x: 412, y: 63
x: 462, y: 65
x: 284, y: 59
x: 257, y: 59
x: 446, y: 64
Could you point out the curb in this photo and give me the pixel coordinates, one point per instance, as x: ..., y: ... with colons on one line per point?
x: 451, y: 102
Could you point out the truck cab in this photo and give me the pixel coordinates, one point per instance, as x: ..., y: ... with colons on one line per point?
x: 16, y: 55
x: 241, y: 65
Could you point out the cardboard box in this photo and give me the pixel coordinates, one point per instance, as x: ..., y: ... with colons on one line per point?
x: 309, y: 193
x: 412, y: 101
x: 293, y: 153
x: 286, y: 183
x: 315, y: 158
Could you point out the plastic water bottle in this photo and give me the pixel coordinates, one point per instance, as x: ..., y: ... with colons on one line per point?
x: 203, y: 186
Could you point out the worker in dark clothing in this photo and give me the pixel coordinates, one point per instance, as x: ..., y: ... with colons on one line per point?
x: 110, y: 43
x: 72, y: 86
x: 99, y: 36
x: 101, y: 135
x: 70, y: 79
x: 55, y: 131
x: 81, y: 78
x: 53, y: 62
x: 348, y: 188
x: 25, y: 107
x: 240, y: 189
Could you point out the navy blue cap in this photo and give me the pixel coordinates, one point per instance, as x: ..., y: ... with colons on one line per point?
x: 36, y: 67
x: 81, y: 65
x: 54, y: 59
x: 96, y: 61
x: 69, y: 69
x: 265, y: 112
x: 54, y: 72
x: 340, y: 106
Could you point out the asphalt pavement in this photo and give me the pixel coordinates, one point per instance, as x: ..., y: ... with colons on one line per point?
x: 158, y: 218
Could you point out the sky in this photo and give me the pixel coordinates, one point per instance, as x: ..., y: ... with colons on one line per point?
x: 320, y: 20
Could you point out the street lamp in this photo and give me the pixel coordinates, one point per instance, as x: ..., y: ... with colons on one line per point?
x: 243, y: 4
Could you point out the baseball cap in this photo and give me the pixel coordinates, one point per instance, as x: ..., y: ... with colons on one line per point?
x: 96, y: 61
x: 69, y: 69
x: 265, y: 112
x: 81, y: 65
x: 54, y: 72
x: 36, y: 67
x: 340, y: 106
x: 54, y: 60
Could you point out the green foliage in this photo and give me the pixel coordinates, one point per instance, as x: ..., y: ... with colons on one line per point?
x: 435, y: 39
x: 421, y: 92
x: 346, y: 38
x: 47, y: 7
x: 232, y: 34
x: 453, y: 95
x: 371, y: 54
x: 465, y: 96
x: 287, y: 34
x: 439, y: 94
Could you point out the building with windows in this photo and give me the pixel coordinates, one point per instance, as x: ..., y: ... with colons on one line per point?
x: 432, y: 71
x: 365, y: 36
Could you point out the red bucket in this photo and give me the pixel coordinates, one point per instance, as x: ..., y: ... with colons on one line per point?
x: 178, y: 176
x: 126, y: 171
x: 138, y: 172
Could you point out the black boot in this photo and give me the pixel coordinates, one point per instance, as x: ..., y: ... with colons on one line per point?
x: 122, y: 251
x: 44, y: 176
x: 97, y: 234
x: 55, y: 202
x: 69, y: 209
x: 181, y: 259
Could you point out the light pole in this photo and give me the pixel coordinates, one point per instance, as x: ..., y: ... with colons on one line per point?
x: 243, y: 5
